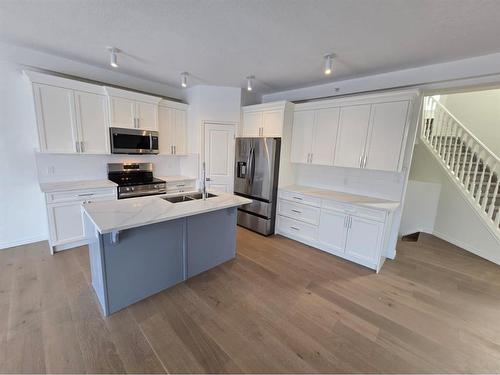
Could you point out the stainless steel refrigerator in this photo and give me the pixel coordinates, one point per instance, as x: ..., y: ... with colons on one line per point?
x: 256, y: 177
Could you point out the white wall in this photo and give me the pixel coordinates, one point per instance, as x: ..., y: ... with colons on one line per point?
x: 479, y: 111
x: 22, y: 217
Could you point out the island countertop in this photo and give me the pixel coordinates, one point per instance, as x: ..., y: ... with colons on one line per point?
x: 110, y: 216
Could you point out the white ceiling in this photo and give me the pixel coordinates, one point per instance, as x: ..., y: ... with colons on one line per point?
x: 281, y: 42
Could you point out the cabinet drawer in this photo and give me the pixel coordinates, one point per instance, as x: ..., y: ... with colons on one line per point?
x: 299, y: 211
x: 297, y: 229
x: 355, y: 210
x: 300, y: 198
x: 79, y: 195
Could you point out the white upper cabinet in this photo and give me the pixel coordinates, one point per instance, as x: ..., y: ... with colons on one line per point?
x: 128, y: 109
x: 366, y: 131
x: 325, y: 136
x: 351, y: 141
x: 302, y: 136
x: 173, y: 129
x: 272, y: 123
x: 386, y: 138
x: 91, y: 123
x: 313, y: 136
x: 264, y: 120
x: 252, y: 124
x: 147, y: 115
x: 122, y: 113
x: 55, y: 119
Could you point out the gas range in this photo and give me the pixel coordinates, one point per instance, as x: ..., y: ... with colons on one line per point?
x: 135, y: 180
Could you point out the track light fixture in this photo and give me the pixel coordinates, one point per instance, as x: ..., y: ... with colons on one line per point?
x: 328, y: 64
x: 250, y: 83
x: 113, y: 61
x: 184, y: 79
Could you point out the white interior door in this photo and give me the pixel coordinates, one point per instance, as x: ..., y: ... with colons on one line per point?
x: 351, y: 140
x: 219, y: 156
x: 92, y: 124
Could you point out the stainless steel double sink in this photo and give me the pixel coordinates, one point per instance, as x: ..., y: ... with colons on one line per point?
x: 187, y: 197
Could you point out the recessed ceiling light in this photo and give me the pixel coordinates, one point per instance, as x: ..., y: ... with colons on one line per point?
x: 250, y: 83
x: 328, y: 64
x: 113, y: 60
x: 184, y: 79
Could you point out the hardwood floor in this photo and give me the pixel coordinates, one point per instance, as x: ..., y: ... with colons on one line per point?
x: 279, y: 307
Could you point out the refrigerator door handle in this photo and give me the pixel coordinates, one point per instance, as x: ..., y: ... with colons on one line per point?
x: 247, y: 173
x: 251, y: 168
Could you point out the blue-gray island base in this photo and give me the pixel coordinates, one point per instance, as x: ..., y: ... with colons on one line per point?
x: 145, y: 260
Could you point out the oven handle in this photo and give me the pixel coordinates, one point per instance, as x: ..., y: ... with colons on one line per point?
x: 150, y: 142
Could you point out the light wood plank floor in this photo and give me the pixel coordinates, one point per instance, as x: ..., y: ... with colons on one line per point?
x: 279, y: 307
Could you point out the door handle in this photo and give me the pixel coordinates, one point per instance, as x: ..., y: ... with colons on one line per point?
x: 297, y: 211
x: 294, y: 228
x: 361, y: 161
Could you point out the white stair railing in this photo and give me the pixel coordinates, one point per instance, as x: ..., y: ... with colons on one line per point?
x: 473, y: 167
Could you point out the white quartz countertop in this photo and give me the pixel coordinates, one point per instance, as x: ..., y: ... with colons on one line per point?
x: 110, y: 216
x: 50, y: 187
x: 361, y: 200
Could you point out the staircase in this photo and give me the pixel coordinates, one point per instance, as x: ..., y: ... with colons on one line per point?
x: 470, y: 164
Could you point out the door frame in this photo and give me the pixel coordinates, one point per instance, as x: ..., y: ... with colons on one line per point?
x: 204, y: 123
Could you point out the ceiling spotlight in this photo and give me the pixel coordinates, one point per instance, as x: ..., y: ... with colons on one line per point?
x: 114, y: 56
x: 184, y: 79
x: 250, y: 83
x: 328, y: 64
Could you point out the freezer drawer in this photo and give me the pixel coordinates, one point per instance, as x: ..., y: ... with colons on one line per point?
x: 259, y: 208
x: 256, y: 223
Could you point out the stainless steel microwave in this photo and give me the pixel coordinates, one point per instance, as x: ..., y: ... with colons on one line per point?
x: 133, y: 141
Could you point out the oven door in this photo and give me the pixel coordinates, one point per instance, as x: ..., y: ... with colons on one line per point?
x: 133, y: 141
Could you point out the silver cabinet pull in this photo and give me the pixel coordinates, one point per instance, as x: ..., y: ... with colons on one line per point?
x: 138, y: 124
x: 350, y: 222
x: 361, y: 161
x: 311, y: 160
x: 345, y: 221
x: 175, y: 150
x: 82, y: 146
x: 86, y: 195
x: 77, y: 146
x: 171, y: 150
x: 299, y: 198
x: 294, y: 228
x: 365, y: 158
x: 297, y: 211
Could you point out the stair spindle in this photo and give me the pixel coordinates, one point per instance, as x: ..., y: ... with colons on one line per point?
x: 487, y: 190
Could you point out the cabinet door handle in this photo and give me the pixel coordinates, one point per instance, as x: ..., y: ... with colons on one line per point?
x: 77, y: 146
x: 294, y: 228
x: 298, y: 198
x: 365, y: 158
x: 361, y: 161
x: 138, y: 124
x: 345, y: 221
x: 311, y: 159
x: 175, y: 150
x: 171, y: 150
x: 297, y: 211
x: 86, y: 195
x: 350, y: 222
x: 82, y: 146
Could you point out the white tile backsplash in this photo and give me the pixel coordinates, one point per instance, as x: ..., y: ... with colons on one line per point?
x: 64, y: 167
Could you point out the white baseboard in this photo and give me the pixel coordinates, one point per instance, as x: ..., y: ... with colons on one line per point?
x: 24, y: 241
x: 466, y: 246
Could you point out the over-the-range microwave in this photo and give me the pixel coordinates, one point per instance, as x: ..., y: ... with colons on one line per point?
x: 133, y: 141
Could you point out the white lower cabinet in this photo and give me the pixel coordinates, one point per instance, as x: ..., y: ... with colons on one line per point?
x: 332, y: 231
x: 64, y: 211
x: 343, y: 229
x: 364, y: 239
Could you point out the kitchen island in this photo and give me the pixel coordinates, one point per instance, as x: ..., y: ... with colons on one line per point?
x: 141, y: 246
